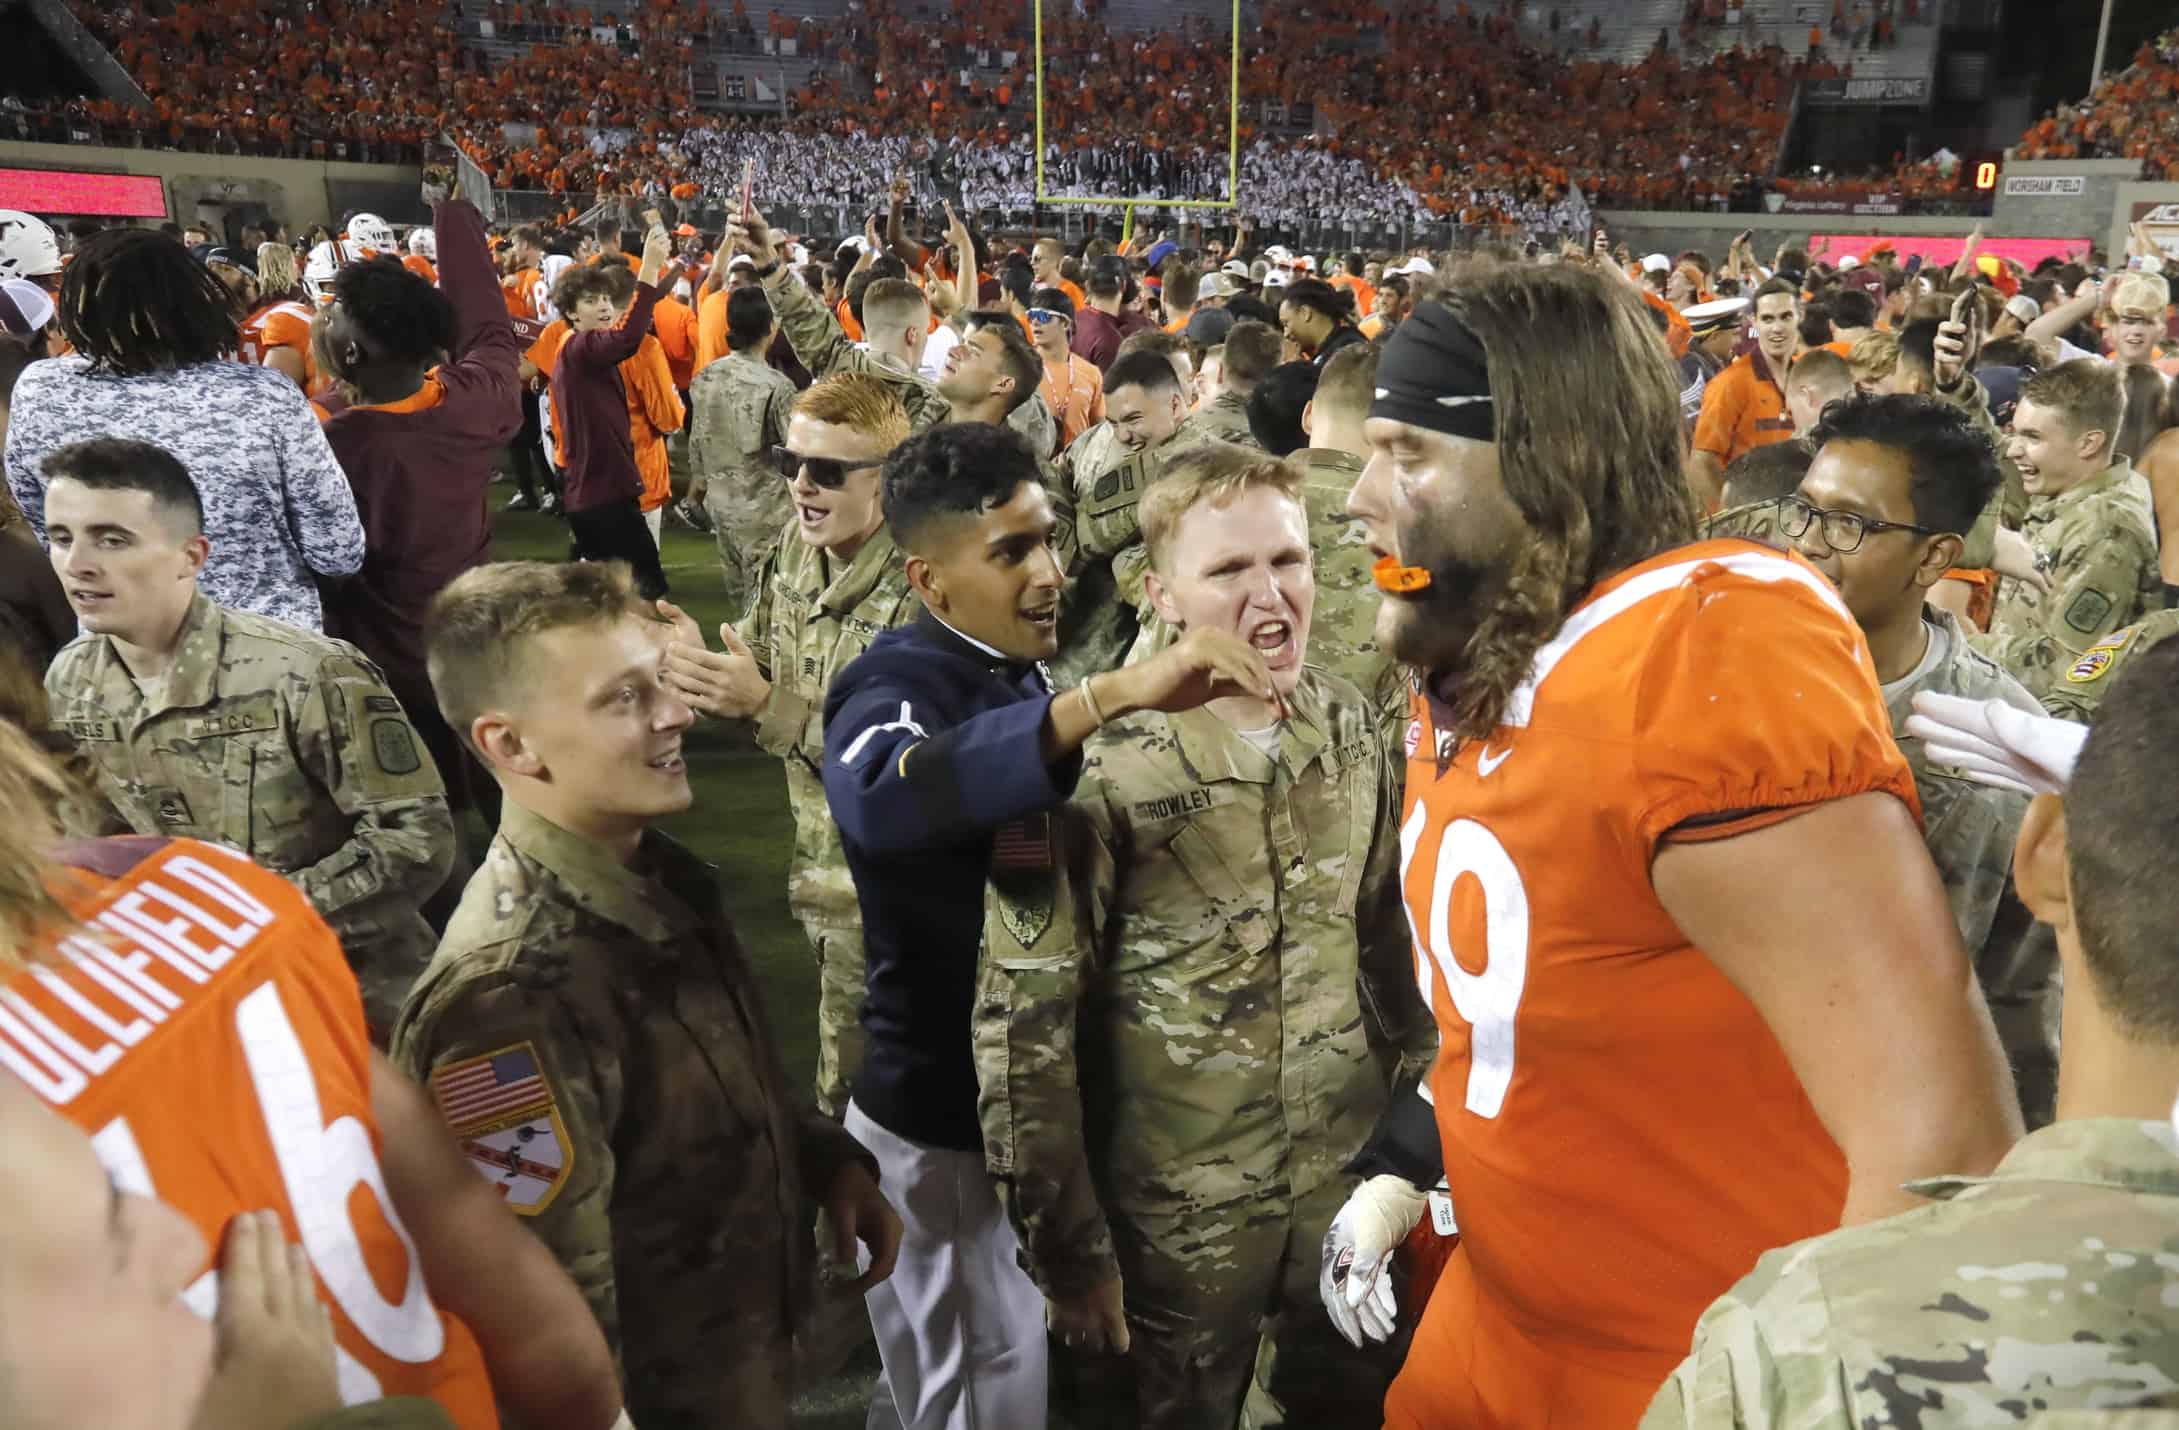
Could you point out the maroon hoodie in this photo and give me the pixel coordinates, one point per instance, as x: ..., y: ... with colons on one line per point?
x: 590, y: 408
x: 421, y: 468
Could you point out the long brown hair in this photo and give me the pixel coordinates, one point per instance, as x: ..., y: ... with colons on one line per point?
x: 33, y: 789
x: 1590, y: 447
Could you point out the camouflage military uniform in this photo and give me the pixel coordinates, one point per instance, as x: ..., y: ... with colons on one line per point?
x: 1970, y: 828
x: 1343, y: 628
x: 286, y: 745
x: 1099, y: 545
x: 810, y: 619
x: 1223, y: 419
x: 2076, y: 694
x: 2043, y: 1286
x: 1186, y: 1030
x: 2098, y: 543
x: 740, y: 410
x: 594, y: 1037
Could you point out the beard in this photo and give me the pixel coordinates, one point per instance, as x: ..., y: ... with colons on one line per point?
x: 1430, y: 629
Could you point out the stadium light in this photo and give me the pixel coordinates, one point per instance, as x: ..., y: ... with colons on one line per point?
x: 1233, y: 137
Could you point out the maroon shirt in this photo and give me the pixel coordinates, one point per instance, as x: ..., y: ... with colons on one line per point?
x: 1097, y: 337
x: 421, y: 476
x: 590, y: 409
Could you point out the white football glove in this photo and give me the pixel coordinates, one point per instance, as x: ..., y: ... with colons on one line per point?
x: 1358, y: 1247
x: 1993, y: 743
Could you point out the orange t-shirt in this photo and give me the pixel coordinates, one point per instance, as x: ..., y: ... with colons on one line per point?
x: 421, y: 266
x: 654, y: 409
x: 544, y: 354
x: 711, y: 328
x: 1074, y: 294
x: 280, y: 325
x: 522, y: 291
x: 1623, y: 1135
x: 848, y: 325
x: 1743, y: 408
x: 673, y: 323
x: 207, y: 1034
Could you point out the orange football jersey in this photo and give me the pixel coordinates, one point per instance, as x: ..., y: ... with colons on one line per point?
x: 280, y: 325
x: 1622, y: 1134
x: 206, y: 1032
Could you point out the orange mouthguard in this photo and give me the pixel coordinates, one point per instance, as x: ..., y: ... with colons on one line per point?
x: 1400, y: 580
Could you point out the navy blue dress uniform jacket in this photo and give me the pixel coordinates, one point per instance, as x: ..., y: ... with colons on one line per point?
x: 932, y: 748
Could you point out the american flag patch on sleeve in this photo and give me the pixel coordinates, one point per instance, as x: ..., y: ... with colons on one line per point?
x: 501, y: 1110
x: 1023, y: 844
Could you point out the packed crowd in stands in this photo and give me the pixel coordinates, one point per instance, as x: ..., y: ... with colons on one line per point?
x: 2133, y: 114
x: 1373, y: 114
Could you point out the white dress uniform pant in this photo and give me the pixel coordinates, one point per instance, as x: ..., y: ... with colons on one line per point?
x: 960, y: 1326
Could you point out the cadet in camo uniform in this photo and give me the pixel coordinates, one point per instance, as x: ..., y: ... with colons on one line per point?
x: 2047, y: 1285
x: 592, y: 1030
x: 1900, y: 479
x: 1188, y: 1027
x: 819, y: 345
x: 2090, y: 521
x: 815, y: 612
x: 741, y: 405
x: 267, y: 738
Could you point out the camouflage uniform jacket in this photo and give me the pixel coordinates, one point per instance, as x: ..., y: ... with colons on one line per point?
x: 824, y: 349
x: 811, y: 617
x: 2098, y: 543
x: 1223, y: 419
x: 1343, y: 630
x: 2044, y: 1285
x: 286, y: 745
x: 739, y: 413
x: 820, y: 346
x: 1969, y: 827
x: 2076, y: 695
x: 1098, y: 541
x: 1172, y: 1019
x: 667, y: 1165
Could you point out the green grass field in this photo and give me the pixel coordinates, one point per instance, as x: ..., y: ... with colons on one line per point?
x: 740, y: 824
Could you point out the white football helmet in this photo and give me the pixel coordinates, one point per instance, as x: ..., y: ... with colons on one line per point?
x: 28, y: 248
x: 424, y: 243
x: 372, y: 232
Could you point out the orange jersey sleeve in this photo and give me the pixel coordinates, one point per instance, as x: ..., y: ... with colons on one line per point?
x: 204, y: 1029
x: 421, y: 266
x: 1622, y: 1134
x: 280, y: 325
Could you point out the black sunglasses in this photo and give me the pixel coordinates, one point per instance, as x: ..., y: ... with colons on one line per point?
x: 828, y: 472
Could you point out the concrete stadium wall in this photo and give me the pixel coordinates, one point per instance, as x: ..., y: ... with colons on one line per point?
x: 206, y: 186
x: 2083, y: 214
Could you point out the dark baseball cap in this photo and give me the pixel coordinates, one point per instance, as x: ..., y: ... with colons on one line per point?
x: 215, y: 254
x: 1208, y: 327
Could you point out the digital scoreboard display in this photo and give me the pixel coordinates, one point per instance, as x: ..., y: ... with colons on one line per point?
x: 70, y: 191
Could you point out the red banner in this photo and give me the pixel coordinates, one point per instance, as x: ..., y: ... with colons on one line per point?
x: 69, y: 192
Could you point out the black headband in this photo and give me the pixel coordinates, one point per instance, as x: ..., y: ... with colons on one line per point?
x: 1435, y: 374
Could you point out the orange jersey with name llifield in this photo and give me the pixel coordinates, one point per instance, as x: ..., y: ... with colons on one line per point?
x: 280, y: 325
x: 202, y: 1026
x: 1622, y: 1133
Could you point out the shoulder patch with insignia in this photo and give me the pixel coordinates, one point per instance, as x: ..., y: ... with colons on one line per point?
x: 393, y: 744
x: 1024, y: 902
x: 501, y: 1110
x: 2088, y: 611
x: 2090, y: 667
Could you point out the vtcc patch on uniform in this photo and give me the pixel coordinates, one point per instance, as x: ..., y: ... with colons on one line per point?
x: 393, y: 744
x: 501, y: 1110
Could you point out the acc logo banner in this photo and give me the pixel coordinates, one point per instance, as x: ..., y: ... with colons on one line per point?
x: 501, y: 1110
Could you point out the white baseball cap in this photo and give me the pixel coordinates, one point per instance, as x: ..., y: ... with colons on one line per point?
x: 740, y: 260
x: 1848, y: 263
x: 1413, y: 265
x: 1236, y: 268
x: 1656, y: 263
x: 24, y: 307
x: 1276, y: 278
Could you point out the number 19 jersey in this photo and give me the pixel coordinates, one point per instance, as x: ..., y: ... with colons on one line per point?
x: 201, y: 1025
x: 1622, y: 1134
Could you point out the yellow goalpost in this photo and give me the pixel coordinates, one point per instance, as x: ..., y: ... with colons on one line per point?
x: 1233, y: 138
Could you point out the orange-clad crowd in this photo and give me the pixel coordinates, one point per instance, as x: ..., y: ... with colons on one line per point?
x: 2133, y: 114
x: 1456, y: 105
